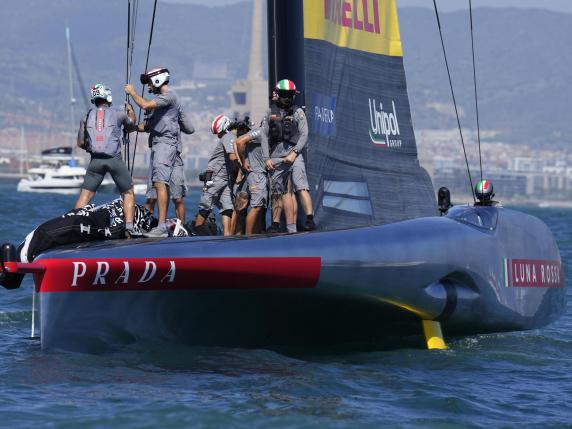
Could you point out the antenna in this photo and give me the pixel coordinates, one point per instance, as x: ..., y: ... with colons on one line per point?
x: 476, y: 93
x: 72, y: 99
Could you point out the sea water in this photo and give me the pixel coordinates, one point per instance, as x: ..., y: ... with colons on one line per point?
x: 519, y: 379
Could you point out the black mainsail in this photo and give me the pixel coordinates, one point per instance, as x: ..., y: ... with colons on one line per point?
x: 362, y: 157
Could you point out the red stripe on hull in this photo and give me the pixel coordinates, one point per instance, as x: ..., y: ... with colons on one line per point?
x: 91, y: 275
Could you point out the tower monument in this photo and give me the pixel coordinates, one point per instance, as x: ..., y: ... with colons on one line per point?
x: 250, y: 96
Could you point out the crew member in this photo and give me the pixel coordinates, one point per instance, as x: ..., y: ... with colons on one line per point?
x: 100, y: 134
x: 241, y: 196
x: 249, y: 149
x: 219, y: 178
x: 287, y: 130
x: 164, y: 125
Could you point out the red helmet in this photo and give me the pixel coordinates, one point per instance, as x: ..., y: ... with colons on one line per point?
x: 220, y: 124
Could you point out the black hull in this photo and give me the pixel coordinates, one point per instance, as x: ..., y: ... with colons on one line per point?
x: 358, y: 286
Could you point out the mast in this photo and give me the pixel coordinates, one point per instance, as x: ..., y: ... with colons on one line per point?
x: 22, y: 149
x: 72, y: 99
x: 286, y: 44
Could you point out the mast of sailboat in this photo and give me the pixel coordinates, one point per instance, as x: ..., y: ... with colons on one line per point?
x: 23, y: 151
x: 286, y: 35
x: 72, y: 99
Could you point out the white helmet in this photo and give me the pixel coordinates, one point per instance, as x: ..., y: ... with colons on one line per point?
x: 101, y: 92
x: 156, y: 77
x: 220, y: 124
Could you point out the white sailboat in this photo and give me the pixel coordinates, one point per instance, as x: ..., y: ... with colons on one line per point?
x: 64, y: 179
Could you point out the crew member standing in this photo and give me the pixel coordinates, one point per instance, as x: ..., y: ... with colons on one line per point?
x: 100, y: 134
x: 287, y: 129
x: 164, y: 124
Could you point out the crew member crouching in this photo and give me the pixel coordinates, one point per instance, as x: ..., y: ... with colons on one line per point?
x: 241, y: 196
x: 218, y: 178
x: 249, y: 149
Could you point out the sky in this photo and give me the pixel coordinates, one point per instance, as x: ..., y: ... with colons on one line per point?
x: 444, y: 5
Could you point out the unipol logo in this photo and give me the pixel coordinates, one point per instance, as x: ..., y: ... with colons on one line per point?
x: 384, y: 126
x: 361, y: 15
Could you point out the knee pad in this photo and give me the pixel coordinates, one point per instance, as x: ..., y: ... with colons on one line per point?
x: 227, y: 213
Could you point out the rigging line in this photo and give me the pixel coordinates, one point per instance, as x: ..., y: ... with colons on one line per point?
x: 454, y: 100
x: 134, y: 14
x: 82, y: 90
x: 476, y: 93
x: 126, y: 139
x: 131, y: 31
x: 127, y: 51
x: 143, y: 86
x: 131, y: 26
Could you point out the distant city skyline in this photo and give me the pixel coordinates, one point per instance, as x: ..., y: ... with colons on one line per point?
x: 444, y: 5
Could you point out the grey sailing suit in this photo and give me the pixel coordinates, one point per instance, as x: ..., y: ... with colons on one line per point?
x: 219, y: 192
x: 299, y: 176
x: 177, y: 184
x: 164, y: 125
x: 277, y: 150
x: 257, y: 179
x: 101, y: 129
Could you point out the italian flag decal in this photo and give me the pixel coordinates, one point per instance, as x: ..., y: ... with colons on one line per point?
x: 286, y: 85
x: 506, y: 273
x: 483, y: 186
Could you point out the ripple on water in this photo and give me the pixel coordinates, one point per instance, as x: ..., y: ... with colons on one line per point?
x: 497, y: 380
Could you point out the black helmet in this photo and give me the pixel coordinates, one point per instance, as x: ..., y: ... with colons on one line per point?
x: 484, y: 191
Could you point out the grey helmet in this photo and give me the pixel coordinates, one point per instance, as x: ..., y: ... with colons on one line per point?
x: 101, y: 92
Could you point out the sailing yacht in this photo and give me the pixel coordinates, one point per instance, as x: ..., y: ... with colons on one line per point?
x: 383, y: 264
x: 54, y: 178
x: 59, y: 172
